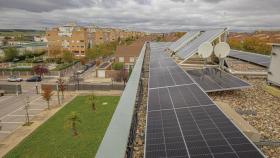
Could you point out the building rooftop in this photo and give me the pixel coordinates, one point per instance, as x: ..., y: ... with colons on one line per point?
x: 132, y: 50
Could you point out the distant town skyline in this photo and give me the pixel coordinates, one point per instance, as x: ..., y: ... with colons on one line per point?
x: 142, y: 15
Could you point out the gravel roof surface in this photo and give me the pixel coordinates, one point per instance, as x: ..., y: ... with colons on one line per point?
x: 259, y: 108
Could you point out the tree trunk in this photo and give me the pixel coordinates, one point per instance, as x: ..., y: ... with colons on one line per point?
x: 93, y: 107
x: 75, y: 132
x: 49, y: 105
x: 62, y: 93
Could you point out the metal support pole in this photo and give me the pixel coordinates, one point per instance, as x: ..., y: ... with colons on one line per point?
x: 17, y: 89
x: 37, y: 90
x: 58, y: 98
x: 78, y: 82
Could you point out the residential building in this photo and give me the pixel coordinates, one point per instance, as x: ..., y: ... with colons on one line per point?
x: 77, y: 38
x: 128, y: 54
x: 103, y: 70
x: 68, y: 37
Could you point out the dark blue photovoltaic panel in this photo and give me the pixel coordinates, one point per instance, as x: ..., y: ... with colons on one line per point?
x: 191, y: 48
x: 212, y: 79
x: 183, y: 122
x: 175, y: 46
x: 262, y: 60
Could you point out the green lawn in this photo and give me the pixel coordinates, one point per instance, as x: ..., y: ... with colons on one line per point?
x: 54, y: 140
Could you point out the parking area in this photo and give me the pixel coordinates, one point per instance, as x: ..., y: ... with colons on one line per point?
x: 12, y: 108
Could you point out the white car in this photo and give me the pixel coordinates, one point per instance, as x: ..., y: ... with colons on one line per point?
x: 14, y: 79
x: 80, y: 71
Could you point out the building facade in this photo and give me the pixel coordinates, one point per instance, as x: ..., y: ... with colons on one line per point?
x: 128, y: 54
x: 75, y: 39
x: 78, y: 39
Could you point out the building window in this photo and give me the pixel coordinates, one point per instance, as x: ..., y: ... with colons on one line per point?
x: 131, y: 59
x: 121, y: 59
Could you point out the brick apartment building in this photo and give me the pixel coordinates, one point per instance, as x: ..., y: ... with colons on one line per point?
x: 68, y: 37
x: 78, y: 39
x: 128, y: 54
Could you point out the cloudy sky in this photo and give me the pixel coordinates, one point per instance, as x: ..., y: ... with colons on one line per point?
x: 148, y: 15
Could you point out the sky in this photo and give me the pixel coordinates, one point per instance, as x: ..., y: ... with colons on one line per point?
x: 141, y: 15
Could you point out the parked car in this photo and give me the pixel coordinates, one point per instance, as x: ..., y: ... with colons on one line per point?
x: 14, y: 79
x: 80, y: 71
x: 34, y: 79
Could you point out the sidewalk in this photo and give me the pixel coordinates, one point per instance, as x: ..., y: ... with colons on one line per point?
x: 22, y: 132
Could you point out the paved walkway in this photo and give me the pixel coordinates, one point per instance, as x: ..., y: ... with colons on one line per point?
x: 13, y: 132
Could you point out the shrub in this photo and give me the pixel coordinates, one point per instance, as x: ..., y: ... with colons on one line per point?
x: 118, y: 66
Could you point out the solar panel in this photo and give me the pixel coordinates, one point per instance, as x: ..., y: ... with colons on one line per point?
x: 175, y: 46
x: 212, y: 79
x: 182, y: 121
x: 262, y: 60
x: 191, y: 48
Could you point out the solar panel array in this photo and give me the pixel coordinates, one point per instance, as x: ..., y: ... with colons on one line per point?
x: 192, y: 47
x: 213, y: 79
x: 183, y: 122
x: 258, y: 59
x: 175, y: 46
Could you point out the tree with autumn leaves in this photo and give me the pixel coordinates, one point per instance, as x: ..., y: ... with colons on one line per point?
x: 40, y: 70
x: 61, y: 86
x: 250, y: 44
x: 47, y: 94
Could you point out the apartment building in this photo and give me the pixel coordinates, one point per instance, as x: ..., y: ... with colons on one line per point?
x: 68, y: 37
x: 78, y: 39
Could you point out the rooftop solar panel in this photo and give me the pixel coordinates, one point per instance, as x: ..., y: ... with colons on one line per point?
x: 182, y: 121
x: 192, y: 47
x: 175, y: 46
x: 213, y: 79
x: 262, y: 60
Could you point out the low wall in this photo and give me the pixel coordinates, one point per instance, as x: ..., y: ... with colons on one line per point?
x: 11, y: 88
x: 86, y: 86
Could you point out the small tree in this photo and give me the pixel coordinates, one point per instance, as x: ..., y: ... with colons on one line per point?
x: 71, y: 121
x: 92, y: 101
x: 47, y: 94
x: 10, y: 53
x: 61, y: 86
x: 26, y: 107
x: 40, y: 70
x: 67, y: 56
